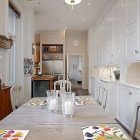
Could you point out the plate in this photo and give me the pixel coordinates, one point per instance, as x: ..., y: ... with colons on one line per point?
x: 38, y: 102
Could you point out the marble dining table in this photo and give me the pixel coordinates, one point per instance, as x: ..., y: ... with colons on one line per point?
x: 45, y: 125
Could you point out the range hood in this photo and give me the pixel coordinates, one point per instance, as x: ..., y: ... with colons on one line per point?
x: 5, y: 42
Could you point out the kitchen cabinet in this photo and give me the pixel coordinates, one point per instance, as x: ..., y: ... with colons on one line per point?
x: 112, y: 99
x: 128, y: 97
x: 126, y: 105
x: 5, y: 102
x: 132, y: 30
x: 111, y: 90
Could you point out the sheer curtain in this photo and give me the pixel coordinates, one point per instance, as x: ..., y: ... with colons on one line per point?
x: 13, y: 28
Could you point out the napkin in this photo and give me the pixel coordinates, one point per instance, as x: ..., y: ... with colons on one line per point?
x: 103, y: 132
x: 84, y: 101
x: 13, y: 134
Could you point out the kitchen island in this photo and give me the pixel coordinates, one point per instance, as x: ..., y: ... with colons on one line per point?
x: 41, y: 83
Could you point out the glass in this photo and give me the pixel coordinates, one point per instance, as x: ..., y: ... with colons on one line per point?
x: 68, y: 99
x: 52, y: 98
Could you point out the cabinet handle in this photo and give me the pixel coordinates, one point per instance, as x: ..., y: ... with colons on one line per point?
x: 136, y: 51
x: 130, y: 93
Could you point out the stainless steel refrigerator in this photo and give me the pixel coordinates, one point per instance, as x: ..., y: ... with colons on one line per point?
x: 54, y: 68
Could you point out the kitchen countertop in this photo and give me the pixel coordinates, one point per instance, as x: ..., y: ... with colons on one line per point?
x: 42, y: 77
x: 134, y: 85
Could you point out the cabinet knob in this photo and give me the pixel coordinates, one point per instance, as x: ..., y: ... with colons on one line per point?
x: 136, y: 51
x: 130, y: 93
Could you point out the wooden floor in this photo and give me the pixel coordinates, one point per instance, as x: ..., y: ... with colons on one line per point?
x: 77, y: 88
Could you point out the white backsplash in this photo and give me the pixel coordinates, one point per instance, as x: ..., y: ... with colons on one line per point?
x: 107, y: 73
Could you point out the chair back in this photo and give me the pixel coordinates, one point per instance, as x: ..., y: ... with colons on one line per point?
x: 14, y: 93
x: 135, y: 121
x: 64, y: 86
x: 104, y: 98
x: 102, y: 95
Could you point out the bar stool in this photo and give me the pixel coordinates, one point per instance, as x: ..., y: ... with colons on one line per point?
x: 135, y: 121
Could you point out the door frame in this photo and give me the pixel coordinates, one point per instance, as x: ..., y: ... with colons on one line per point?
x: 83, y: 70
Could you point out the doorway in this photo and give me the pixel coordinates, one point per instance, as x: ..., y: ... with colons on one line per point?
x: 75, y: 71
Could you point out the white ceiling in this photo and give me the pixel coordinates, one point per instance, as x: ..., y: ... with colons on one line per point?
x: 53, y: 14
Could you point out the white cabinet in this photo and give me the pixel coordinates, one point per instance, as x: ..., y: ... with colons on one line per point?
x: 128, y: 97
x: 112, y: 99
x: 111, y: 88
x: 132, y: 30
x: 125, y: 106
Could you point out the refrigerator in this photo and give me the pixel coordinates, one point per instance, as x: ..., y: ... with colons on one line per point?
x: 54, y: 68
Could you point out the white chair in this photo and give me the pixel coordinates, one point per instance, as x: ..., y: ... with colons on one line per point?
x: 104, y: 98
x: 15, y: 91
x: 65, y: 86
x: 135, y: 121
x: 102, y: 95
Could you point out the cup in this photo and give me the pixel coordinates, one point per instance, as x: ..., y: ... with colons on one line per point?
x: 68, y: 104
x: 52, y: 98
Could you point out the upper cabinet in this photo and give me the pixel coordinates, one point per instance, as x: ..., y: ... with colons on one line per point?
x: 109, y: 42
x: 52, y: 52
x: 132, y: 30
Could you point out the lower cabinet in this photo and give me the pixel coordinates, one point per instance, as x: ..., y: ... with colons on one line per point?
x: 126, y: 105
x: 128, y: 97
x: 112, y: 98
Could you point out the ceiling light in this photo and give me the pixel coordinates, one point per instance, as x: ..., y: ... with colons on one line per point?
x: 72, y: 2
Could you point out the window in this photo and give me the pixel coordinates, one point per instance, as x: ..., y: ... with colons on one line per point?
x: 13, y: 16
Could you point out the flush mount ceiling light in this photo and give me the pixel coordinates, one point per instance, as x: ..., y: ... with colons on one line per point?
x: 70, y: 4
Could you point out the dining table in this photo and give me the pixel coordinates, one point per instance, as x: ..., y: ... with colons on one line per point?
x: 45, y: 125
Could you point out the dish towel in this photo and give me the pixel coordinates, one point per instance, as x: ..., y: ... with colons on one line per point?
x: 103, y: 132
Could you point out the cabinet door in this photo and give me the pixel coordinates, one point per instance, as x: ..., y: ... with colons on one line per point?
x: 125, y: 108
x: 131, y: 30
x: 112, y: 99
x: 115, y: 47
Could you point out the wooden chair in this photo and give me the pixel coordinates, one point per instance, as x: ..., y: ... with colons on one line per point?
x: 135, y: 121
x: 15, y: 91
x: 65, y: 86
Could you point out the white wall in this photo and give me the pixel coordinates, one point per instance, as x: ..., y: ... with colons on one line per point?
x: 53, y: 37
x: 81, y: 36
x: 3, y: 17
x: 26, y: 38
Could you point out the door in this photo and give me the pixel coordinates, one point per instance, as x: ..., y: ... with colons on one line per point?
x: 75, y: 70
